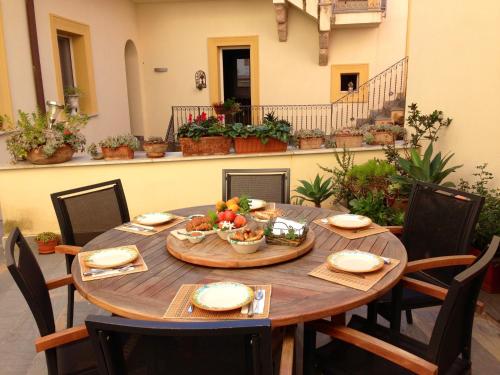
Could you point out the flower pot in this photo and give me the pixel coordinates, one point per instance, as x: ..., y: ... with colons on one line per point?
x: 47, y: 247
x: 383, y: 138
x: 400, y: 204
x: 118, y: 153
x: 254, y: 145
x: 205, y: 146
x: 310, y: 143
x: 155, y: 150
x: 348, y: 141
x: 73, y: 103
x: 62, y: 154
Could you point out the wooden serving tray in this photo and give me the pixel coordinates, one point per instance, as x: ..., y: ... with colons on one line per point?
x: 214, y: 252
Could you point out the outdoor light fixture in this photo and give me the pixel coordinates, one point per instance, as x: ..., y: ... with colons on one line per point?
x: 200, y: 79
x: 53, y: 109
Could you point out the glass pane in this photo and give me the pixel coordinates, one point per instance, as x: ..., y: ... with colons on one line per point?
x: 349, y: 79
x: 65, y: 59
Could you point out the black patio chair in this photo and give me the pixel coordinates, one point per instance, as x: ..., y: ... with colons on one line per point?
x: 68, y: 351
x: 83, y: 214
x: 362, y: 347
x: 439, y: 222
x: 182, y: 348
x: 271, y: 185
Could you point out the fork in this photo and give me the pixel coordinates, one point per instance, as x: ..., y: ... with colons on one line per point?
x: 99, y: 271
x: 258, y: 296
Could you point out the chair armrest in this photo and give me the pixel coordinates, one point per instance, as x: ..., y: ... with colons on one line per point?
x: 376, y: 346
x: 433, y: 290
x: 68, y: 249
x: 439, y: 262
x: 60, y: 338
x: 287, y: 352
x: 60, y: 281
x: 395, y: 229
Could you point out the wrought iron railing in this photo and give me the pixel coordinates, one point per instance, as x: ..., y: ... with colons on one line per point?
x: 352, y: 109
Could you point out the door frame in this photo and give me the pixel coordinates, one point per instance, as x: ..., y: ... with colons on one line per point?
x: 214, y: 64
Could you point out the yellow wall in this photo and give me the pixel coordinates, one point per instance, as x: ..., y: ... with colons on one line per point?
x: 164, y: 185
x: 174, y: 35
x: 454, y: 66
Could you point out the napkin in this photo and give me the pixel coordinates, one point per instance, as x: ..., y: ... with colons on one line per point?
x: 281, y: 224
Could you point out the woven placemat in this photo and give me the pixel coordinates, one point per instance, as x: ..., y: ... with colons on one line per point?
x: 139, y: 266
x: 178, y: 309
x: 362, y: 282
x: 157, y: 228
x: 352, y: 234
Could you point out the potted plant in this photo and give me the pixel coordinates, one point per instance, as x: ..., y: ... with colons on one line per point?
x: 155, y: 147
x: 93, y: 152
x: 227, y: 107
x: 271, y: 136
x: 120, y: 147
x: 40, y: 141
x: 72, y: 96
x: 348, y: 137
x: 46, y: 242
x: 204, y: 136
x: 316, y: 191
x: 384, y: 134
x: 309, y: 138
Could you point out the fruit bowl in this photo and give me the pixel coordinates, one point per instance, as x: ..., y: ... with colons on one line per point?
x: 246, y: 247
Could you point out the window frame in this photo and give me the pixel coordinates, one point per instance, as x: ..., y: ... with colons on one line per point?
x: 337, y: 70
x: 5, y: 96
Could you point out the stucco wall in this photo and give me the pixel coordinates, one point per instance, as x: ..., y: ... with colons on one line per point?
x: 174, y: 35
x: 454, y: 66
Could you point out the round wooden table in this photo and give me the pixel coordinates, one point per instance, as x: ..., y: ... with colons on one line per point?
x: 296, y: 297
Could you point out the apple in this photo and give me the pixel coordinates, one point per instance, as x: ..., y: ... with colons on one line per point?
x: 239, y: 221
x: 229, y: 215
x: 220, y: 217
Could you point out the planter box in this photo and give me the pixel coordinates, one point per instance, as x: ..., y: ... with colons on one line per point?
x: 310, y: 143
x: 253, y: 145
x: 383, y: 138
x: 205, y: 146
x: 155, y: 150
x: 62, y: 154
x: 348, y: 141
x: 118, y: 153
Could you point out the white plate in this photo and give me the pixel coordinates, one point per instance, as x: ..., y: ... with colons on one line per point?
x: 109, y: 258
x: 154, y: 218
x: 256, y: 204
x: 349, y: 221
x: 355, y: 261
x: 222, y: 296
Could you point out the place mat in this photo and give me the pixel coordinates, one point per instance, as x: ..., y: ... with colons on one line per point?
x: 178, y: 309
x: 157, y: 228
x: 352, y: 234
x: 363, y: 281
x: 139, y: 266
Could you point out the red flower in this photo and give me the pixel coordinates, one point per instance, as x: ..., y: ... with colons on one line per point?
x: 203, y: 116
x: 220, y: 118
x: 190, y: 118
x: 67, y: 132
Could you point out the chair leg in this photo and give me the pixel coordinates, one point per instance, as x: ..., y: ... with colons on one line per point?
x: 71, y: 306
x: 309, y: 349
x: 409, y: 316
x: 372, y: 313
x: 397, y: 297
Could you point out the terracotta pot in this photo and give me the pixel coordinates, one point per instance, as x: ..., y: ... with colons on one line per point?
x: 254, y: 145
x: 310, y: 143
x: 398, y: 203
x: 118, y: 153
x: 155, y: 150
x: 205, y: 146
x: 47, y: 247
x: 383, y: 138
x: 62, y: 154
x: 348, y: 141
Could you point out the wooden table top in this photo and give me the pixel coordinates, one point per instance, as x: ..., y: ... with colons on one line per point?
x: 296, y: 297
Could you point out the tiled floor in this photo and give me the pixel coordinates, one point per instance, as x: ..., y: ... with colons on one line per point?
x: 18, y: 329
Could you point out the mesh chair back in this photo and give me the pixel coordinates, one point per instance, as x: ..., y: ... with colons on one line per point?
x: 228, y: 347
x: 86, y: 212
x: 453, y: 330
x: 439, y: 221
x: 271, y: 185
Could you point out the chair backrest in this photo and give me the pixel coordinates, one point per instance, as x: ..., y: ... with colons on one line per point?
x: 86, y: 212
x: 271, y: 185
x: 227, y: 347
x: 439, y: 221
x: 453, y: 329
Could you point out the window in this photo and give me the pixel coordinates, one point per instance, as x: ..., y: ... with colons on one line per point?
x: 5, y: 100
x: 73, y: 60
x: 342, y: 76
x: 349, y: 81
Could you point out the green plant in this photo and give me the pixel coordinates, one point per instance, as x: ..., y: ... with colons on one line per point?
x: 425, y: 126
x: 155, y: 140
x: 119, y: 141
x: 428, y: 168
x: 316, y: 191
x: 309, y: 133
x: 229, y: 105
x: 32, y: 131
x: 394, y: 129
x: 270, y: 128
x: 348, y: 132
x: 202, y: 126
x: 340, y: 180
x: 373, y: 175
x: 72, y: 91
x: 373, y: 205
x: 46, y: 237
x: 488, y: 224
x: 92, y: 150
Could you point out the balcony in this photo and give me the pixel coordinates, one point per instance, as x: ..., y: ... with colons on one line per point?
x: 368, y: 13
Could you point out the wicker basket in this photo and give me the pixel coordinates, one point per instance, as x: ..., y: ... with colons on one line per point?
x: 252, y: 145
x: 118, y: 153
x: 205, y: 146
x: 310, y: 143
x: 383, y: 138
x: 282, y: 239
x: 62, y: 154
x: 348, y: 141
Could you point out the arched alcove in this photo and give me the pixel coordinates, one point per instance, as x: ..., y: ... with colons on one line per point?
x: 132, y: 67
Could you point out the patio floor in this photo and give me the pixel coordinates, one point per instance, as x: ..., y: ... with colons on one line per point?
x: 18, y: 329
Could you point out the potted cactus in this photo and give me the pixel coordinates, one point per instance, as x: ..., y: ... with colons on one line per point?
x: 155, y: 147
x: 119, y: 147
x: 46, y: 242
x: 309, y: 138
x: 348, y: 137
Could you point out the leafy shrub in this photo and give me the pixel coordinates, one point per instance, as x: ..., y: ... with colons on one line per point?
x: 370, y: 176
x: 202, y: 126
x: 316, y: 191
x: 373, y: 205
x: 272, y: 127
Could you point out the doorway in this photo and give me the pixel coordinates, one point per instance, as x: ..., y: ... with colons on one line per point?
x: 236, y: 81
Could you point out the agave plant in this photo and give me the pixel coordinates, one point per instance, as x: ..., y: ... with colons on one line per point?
x: 426, y: 169
x: 316, y: 191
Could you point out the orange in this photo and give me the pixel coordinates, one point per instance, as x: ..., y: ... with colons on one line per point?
x: 220, y: 206
x: 236, y: 200
x: 234, y: 207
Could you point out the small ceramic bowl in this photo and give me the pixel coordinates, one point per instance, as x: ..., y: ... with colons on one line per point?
x: 224, y: 234
x: 246, y: 247
x: 196, y: 236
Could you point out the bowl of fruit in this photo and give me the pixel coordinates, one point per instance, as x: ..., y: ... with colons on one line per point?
x: 247, y: 241
x: 228, y: 222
